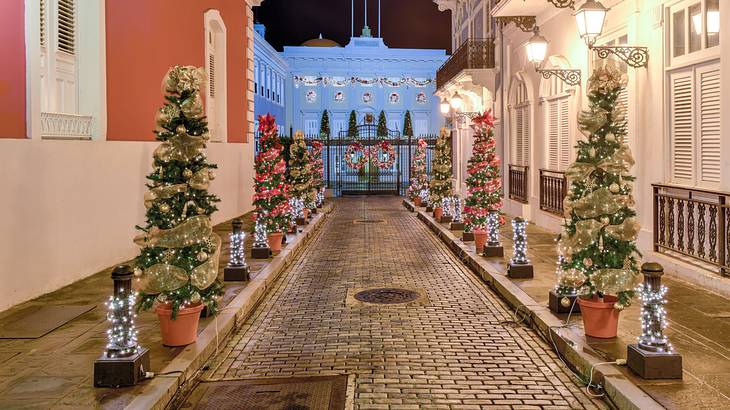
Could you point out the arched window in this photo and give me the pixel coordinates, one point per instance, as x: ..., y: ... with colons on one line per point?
x: 556, y: 99
x: 215, y: 61
x: 521, y: 122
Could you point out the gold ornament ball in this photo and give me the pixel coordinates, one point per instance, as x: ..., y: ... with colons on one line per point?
x: 195, y: 297
x: 588, y: 262
x: 187, y: 173
x: 565, y: 302
x: 200, y: 211
x: 165, y: 208
x: 610, y: 137
x: 162, y: 298
x: 605, y: 220
x: 150, y: 196
x: 181, y: 129
x: 202, y: 256
x: 618, y: 306
x: 614, y: 188
x: 137, y: 271
x: 211, y: 175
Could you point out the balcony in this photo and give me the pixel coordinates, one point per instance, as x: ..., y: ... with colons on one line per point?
x: 473, y: 54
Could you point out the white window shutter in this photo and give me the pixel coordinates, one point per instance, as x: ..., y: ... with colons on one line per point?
x: 211, y: 74
x: 553, y: 134
x: 519, y: 125
x: 623, y: 102
x: 525, y: 135
x: 708, y: 122
x: 564, y: 134
x: 43, y: 22
x: 681, y: 126
x: 67, y: 26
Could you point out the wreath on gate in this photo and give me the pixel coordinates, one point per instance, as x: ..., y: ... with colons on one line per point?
x: 386, y: 148
x: 352, y: 159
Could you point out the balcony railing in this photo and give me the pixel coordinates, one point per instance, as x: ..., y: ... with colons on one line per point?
x: 60, y: 125
x: 552, y: 191
x: 472, y: 54
x: 518, y: 176
x: 694, y: 223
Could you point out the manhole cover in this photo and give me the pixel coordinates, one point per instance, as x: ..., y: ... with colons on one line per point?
x: 297, y: 393
x: 387, y: 296
x: 368, y: 221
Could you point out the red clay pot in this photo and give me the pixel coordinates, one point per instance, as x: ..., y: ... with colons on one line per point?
x: 305, y: 211
x: 417, y: 201
x: 182, y: 330
x: 438, y: 212
x: 480, y: 239
x: 600, y: 318
x: 275, y: 241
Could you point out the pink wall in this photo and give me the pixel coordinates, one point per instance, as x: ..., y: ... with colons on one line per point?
x: 144, y: 38
x: 12, y: 71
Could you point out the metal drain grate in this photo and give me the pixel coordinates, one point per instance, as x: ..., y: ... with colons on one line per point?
x: 368, y: 221
x: 387, y: 296
x: 297, y: 393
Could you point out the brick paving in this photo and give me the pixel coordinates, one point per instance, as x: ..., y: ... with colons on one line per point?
x: 459, y: 349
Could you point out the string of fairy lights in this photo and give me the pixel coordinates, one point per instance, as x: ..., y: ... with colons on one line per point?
x: 653, y: 318
x: 519, y: 236
x: 122, y: 334
x: 493, y: 228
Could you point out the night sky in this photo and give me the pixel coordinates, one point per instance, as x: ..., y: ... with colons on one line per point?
x: 406, y: 23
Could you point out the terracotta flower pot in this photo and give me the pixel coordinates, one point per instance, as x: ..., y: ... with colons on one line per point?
x: 305, y: 211
x: 417, y: 201
x: 275, y: 241
x: 438, y: 212
x: 480, y: 239
x: 182, y: 330
x: 600, y: 318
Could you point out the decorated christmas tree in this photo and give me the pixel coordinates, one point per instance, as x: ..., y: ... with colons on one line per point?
x: 597, y: 246
x: 271, y: 192
x: 317, y: 171
x: 352, y: 125
x: 440, y: 186
x: 178, y: 263
x: 324, y: 126
x: 419, y: 178
x: 408, y: 125
x: 382, y: 129
x: 300, y: 172
x: 483, y: 182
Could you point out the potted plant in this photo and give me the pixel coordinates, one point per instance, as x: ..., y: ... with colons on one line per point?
x: 440, y: 186
x: 598, y: 241
x: 178, y: 261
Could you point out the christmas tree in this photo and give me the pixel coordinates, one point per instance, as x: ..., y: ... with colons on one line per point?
x: 300, y: 172
x: 441, y: 169
x: 324, y: 126
x: 317, y: 168
x: 271, y: 192
x: 483, y: 183
x: 352, y: 125
x: 179, y: 256
x: 382, y: 129
x: 597, y: 246
x: 408, y: 125
x: 419, y: 179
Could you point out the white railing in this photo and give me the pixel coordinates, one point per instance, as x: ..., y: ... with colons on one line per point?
x: 59, y: 125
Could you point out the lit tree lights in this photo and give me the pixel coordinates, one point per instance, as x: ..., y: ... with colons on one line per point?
x: 494, y: 247
x: 519, y: 265
x: 419, y: 178
x: 237, y: 269
x: 318, y: 184
x: 260, y: 248
x: 440, y: 186
x: 300, y: 175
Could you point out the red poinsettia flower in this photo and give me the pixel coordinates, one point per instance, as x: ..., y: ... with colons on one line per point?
x: 484, y: 120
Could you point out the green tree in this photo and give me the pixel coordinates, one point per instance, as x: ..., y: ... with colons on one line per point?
x: 382, y: 129
x: 352, y: 125
x: 300, y: 171
x: 598, y: 242
x: 324, y: 126
x: 441, y: 169
x: 483, y: 183
x: 408, y: 125
x: 419, y: 179
x: 179, y: 251
x: 271, y: 197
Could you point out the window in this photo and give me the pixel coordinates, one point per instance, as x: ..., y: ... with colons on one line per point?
x: 521, y: 125
x: 556, y: 101
x: 694, y: 27
x: 59, y: 62
x: 215, y: 58
x: 311, y: 126
x: 695, y: 124
x: 420, y: 125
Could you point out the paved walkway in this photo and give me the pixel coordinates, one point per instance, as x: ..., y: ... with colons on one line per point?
x: 458, y: 350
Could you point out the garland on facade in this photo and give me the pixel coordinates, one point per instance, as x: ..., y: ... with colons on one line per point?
x: 390, y: 82
x: 597, y: 246
x: 483, y: 182
x: 419, y: 178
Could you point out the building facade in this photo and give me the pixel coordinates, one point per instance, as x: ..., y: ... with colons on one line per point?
x: 674, y: 106
x: 365, y: 76
x: 271, y: 76
x: 79, y: 91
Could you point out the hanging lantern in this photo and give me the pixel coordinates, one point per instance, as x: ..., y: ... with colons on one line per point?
x: 536, y: 48
x: 457, y: 102
x: 590, y: 18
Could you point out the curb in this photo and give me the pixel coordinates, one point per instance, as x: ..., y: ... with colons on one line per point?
x: 161, y: 390
x: 569, y: 340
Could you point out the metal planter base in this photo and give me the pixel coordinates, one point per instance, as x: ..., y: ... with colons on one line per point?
x: 653, y: 365
x: 121, y: 371
x: 520, y: 271
x: 556, y: 305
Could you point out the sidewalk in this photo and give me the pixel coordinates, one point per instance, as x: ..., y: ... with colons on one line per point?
x: 56, y: 370
x: 698, y: 324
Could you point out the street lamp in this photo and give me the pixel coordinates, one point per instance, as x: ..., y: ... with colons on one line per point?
x: 590, y: 18
x: 536, y: 51
x: 457, y: 102
x: 445, y: 106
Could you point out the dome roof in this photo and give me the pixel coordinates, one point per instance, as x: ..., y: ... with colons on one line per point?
x: 320, y: 42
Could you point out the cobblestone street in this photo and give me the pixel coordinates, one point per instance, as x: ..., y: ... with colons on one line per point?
x: 458, y: 349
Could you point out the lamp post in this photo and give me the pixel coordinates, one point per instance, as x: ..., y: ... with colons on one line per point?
x: 536, y: 51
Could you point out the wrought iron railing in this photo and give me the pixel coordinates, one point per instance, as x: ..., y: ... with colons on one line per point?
x: 552, y: 191
x: 472, y: 54
x: 694, y: 223
x: 518, y: 176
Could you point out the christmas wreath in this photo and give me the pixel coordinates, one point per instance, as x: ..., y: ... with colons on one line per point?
x: 386, y: 148
x: 352, y: 159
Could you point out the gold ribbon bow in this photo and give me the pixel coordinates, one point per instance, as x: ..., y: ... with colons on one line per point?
x: 612, y: 281
x: 600, y: 202
x: 194, y: 230
x: 180, y: 147
x: 620, y: 162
